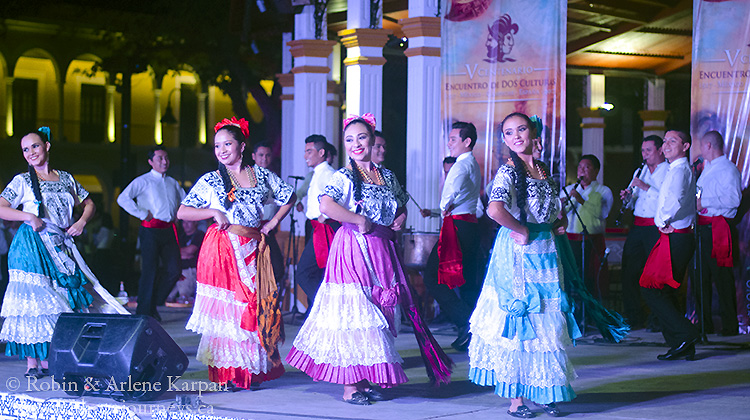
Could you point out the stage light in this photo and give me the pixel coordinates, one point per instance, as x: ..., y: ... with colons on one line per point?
x: 607, y: 106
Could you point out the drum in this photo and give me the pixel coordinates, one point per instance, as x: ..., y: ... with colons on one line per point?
x: 417, y: 247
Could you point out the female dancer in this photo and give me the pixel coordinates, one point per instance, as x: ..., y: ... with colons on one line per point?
x: 523, y: 317
x: 348, y: 338
x: 47, y: 274
x: 236, y: 309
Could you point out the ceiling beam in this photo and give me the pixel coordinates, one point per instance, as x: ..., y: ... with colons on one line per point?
x: 599, y: 11
x: 596, y: 26
x: 590, y: 41
x: 580, y: 44
x: 628, y: 6
x: 638, y: 54
x: 673, y: 65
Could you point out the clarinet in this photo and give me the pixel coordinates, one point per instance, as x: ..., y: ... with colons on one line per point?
x: 626, y: 201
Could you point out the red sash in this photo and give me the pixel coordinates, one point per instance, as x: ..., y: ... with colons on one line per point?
x: 658, y: 270
x: 322, y: 237
x: 450, y: 267
x: 160, y: 224
x: 643, y: 221
x: 722, y: 239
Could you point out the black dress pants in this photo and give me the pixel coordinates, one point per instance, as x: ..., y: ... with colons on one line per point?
x: 457, y: 308
x: 723, y: 278
x: 309, y: 275
x: 676, y: 328
x: 157, y: 245
x: 638, y: 245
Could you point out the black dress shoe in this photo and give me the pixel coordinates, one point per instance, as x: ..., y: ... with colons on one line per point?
x: 461, y: 343
x: 551, y: 409
x: 685, y: 350
x: 373, y: 395
x: 522, y: 412
x: 358, y: 398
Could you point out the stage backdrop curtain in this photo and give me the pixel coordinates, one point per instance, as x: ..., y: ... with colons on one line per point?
x: 720, y: 100
x: 503, y: 56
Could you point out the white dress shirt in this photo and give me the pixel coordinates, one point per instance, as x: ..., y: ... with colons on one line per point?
x: 320, y: 177
x: 644, y: 202
x: 721, y: 188
x: 462, y: 185
x: 596, y: 224
x: 302, y: 188
x: 152, y: 192
x: 676, y: 203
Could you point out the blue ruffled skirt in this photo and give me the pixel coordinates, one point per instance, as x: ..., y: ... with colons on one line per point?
x: 523, y: 321
x: 43, y: 283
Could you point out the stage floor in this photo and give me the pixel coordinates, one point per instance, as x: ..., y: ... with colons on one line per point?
x: 615, y: 381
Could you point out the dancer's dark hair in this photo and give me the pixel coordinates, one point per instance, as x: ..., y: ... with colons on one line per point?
x: 355, y: 169
x: 236, y: 134
x: 519, y: 167
x: 45, y: 134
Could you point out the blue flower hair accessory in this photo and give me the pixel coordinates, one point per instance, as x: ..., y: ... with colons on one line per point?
x: 538, y: 125
x: 46, y: 131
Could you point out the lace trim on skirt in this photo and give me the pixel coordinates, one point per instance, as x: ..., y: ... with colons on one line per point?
x: 32, y: 294
x: 386, y: 375
x: 217, y: 314
x: 514, y: 366
x: 224, y: 352
x: 29, y: 329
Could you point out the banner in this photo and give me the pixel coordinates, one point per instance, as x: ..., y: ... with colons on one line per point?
x: 721, y: 77
x: 720, y: 101
x: 503, y: 56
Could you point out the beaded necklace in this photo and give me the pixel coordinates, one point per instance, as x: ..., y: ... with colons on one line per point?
x: 538, y: 167
x: 250, y: 177
x: 38, y: 175
x: 368, y: 180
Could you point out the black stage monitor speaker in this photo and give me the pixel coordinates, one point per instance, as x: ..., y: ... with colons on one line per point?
x: 124, y: 357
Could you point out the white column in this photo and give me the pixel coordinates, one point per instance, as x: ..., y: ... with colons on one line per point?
x: 286, y: 80
x: 592, y: 124
x: 310, y: 90
x: 9, y: 106
x: 424, y: 150
x: 202, y: 135
x: 111, y: 113
x: 364, y: 70
x: 157, y: 116
x: 654, y: 116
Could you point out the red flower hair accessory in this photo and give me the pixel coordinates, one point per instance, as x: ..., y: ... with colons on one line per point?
x: 368, y: 118
x: 242, y: 124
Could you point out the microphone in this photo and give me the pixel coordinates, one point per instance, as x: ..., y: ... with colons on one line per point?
x: 578, y: 182
x: 297, y: 177
x: 697, y: 162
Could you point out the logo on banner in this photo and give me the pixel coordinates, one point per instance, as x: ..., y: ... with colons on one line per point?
x: 463, y: 10
x: 500, y: 40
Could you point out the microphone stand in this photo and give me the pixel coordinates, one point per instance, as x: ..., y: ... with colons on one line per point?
x: 292, y: 258
x: 584, y: 236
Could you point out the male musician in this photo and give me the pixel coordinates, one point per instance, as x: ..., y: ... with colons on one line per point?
x: 719, y: 199
x: 593, y: 202
x: 154, y: 197
x: 263, y: 157
x: 641, y: 195
x: 453, y: 261
x: 378, y: 148
x: 312, y: 262
x: 668, y: 260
